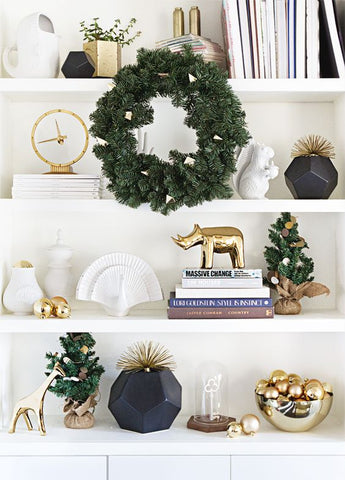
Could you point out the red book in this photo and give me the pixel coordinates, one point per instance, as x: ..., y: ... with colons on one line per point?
x: 221, y: 312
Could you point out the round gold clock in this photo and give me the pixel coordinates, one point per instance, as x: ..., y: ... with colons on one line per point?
x: 60, y: 138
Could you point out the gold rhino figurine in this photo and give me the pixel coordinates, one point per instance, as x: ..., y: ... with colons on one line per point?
x: 215, y: 240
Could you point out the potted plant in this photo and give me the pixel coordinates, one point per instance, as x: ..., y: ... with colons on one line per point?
x: 80, y: 385
x: 145, y: 397
x: 104, y: 46
x: 311, y: 174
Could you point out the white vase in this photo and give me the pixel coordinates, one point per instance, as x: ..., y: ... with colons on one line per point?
x: 59, y: 279
x: 37, y: 49
x: 22, y: 291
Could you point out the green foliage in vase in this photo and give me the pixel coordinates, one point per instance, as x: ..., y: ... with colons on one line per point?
x: 80, y: 364
x: 286, y: 258
x: 116, y: 34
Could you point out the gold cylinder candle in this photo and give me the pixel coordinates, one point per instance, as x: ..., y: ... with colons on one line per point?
x: 194, y: 21
x: 178, y: 20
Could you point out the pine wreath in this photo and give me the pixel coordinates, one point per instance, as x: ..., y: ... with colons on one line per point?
x: 212, y: 109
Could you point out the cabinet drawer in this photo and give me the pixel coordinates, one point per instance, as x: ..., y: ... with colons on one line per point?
x: 169, y: 467
x: 287, y: 467
x: 53, y: 468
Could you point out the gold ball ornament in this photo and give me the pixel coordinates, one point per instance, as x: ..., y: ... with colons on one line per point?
x: 295, y: 390
x: 260, y: 390
x: 234, y: 430
x: 294, y: 378
x: 314, y: 391
x: 250, y: 424
x: 261, y: 383
x: 43, y: 308
x: 63, y: 310
x: 327, y: 387
x: 278, y: 376
x: 84, y: 349
x: 271, y: 392
x: 282, y: 386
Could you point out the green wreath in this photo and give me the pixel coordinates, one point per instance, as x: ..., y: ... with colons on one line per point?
x: 212, y: 109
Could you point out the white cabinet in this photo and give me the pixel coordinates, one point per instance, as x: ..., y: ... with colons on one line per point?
x: 170, y: 467
x: 287, y: 467
x: 53, y: 468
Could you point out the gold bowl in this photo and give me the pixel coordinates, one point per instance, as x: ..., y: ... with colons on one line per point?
x: 294, y: 415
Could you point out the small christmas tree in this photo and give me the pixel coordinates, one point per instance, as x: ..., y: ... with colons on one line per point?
x: 289, y: 268
x: 83, y: 372
x: 286, y: 257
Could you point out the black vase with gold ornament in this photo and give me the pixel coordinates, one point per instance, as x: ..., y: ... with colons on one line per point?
x: 146, y: 396
x: 311, y: 174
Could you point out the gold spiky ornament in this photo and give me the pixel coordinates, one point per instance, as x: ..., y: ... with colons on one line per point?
x: 313, y: 145
x: 146, y: 356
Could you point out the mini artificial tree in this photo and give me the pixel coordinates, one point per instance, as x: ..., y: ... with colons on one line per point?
x: 83, y: 372
x: 289, y: 267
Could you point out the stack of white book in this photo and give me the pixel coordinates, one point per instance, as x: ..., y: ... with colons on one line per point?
x: 210, y: 51
x: 56, y: 186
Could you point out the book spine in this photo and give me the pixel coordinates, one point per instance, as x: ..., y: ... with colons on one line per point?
x: 262, y: 292
x: 219, y: 302
x: 241, y: 312
x: 220, y: 273
x: 221, y: 282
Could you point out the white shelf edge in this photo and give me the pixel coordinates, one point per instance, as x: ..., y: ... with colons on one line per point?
x: 107, y: 439
x: 156, y: 321
x: 216, y: 206
x: 261, y: 90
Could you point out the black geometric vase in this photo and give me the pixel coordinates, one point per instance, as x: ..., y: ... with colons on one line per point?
x: 311, y: 177
x: 145, y: 401
x: 78, y: 65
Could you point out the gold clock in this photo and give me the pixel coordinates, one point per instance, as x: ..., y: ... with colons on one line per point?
x: 60, y: 138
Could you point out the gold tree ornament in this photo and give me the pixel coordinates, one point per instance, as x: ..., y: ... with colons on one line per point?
x: 313, y: 145
x: 146, y: 356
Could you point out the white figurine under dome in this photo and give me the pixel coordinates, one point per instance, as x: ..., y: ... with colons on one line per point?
x: 255, y: 168
x: 59, y: 279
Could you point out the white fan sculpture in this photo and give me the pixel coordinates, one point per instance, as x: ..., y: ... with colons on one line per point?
x: 119, y: 281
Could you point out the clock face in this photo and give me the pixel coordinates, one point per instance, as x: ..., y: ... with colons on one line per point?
x: 59, y: 137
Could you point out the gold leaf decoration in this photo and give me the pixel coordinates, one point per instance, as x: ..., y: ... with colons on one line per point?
x: 312, y: 145
x: 146, y: 356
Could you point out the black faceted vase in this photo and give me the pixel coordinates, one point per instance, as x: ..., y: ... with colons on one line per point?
x: 145, y: 401
x: 312, y: 176
x: 78, y: 65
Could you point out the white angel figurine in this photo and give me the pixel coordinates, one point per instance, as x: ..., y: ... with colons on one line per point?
x: 255, y: 168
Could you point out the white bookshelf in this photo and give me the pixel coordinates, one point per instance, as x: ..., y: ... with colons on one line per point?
x: 313, y: 343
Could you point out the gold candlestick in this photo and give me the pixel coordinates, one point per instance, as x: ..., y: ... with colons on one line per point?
x: 178, y: 22
x: 194, y: 21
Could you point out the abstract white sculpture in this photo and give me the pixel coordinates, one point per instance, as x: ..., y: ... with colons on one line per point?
x: 37, y: 49
x: 119, y: 281
x: 255, y: 168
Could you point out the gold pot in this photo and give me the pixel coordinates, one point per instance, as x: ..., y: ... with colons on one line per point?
x: 294, y: 415
x: 106, y: 57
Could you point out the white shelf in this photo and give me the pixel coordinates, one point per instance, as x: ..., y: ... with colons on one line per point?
x: 155, y: 321
x: 268, y: 90
x: 107, y: 439
x: 216, y: 206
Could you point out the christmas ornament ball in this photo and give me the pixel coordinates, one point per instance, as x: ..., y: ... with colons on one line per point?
x: 294, y: 378
x: 250, y: 424
x: 278, y: 376
x: 261, y: 383
x: 234, y: 430
x: 62, y: 310
x: 314, y: 391
x: 295, y: 390
x: 282, y: 386
x: 271, y: 392
x: 43, y: 308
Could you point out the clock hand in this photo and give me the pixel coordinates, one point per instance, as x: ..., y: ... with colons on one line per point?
x: 57, y: 128
x: 60, y: 139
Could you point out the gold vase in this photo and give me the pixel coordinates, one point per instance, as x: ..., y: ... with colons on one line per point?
x: 106, y: 57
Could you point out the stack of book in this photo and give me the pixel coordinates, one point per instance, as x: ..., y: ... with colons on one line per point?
x: 283, y: 39
x: 210, y: 51
x: 220, y: 293
x: 56, y: 186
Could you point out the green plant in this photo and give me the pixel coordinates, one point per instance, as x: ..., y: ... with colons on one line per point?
x: 116, y: 34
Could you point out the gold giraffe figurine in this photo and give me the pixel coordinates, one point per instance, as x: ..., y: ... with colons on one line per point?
x: 34, y: 402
